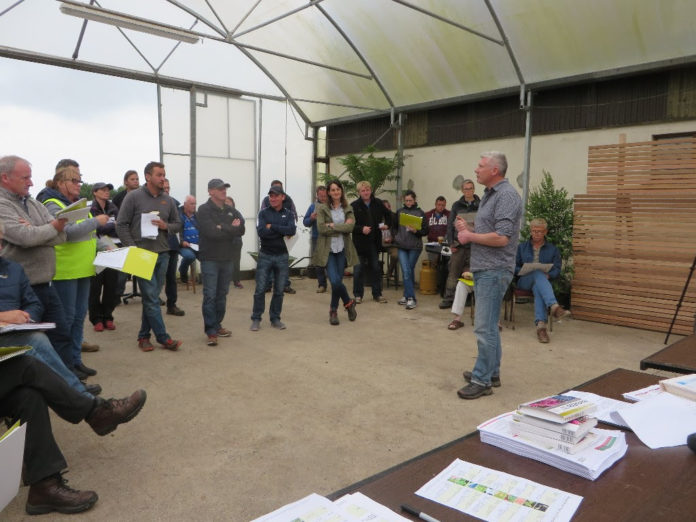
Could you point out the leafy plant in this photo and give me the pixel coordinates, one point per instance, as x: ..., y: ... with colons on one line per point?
x: 365, y: 167
x: 556, y: 207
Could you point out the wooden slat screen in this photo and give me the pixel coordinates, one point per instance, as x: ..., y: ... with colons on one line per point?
x: 634, y: 235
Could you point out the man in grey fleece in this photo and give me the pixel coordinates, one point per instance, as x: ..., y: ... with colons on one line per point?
x: 30, y: 234
x: 147, y: 199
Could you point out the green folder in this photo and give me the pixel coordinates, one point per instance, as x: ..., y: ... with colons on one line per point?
x: 409, y: 220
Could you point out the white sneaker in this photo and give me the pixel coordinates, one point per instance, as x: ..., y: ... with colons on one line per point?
x: 401, y: 301
x: 410, y: 303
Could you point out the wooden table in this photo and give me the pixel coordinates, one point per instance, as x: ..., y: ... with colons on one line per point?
x: 645, y: 485
x: 679, y: 357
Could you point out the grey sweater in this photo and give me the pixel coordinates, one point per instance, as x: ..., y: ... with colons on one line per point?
x: 141, y: 201
x: 30, y: 245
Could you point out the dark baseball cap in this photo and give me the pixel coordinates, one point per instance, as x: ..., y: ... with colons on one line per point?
x: 276, y: 189
x: 101, y: 185
x: 217, y: 183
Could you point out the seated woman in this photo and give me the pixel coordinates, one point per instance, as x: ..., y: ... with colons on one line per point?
x: 465, y: 286
x: 538, y: 250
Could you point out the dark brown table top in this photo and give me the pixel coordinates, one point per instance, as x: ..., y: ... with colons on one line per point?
x: 679, y: 357
x: 644, y: 485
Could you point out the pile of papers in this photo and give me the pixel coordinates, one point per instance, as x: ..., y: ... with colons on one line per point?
x: 589, y: 463
x: 349, y: 508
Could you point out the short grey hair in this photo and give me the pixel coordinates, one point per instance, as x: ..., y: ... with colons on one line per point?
x: 466, y: 182
x: 539, y: 222
x: 499, y: 158
x: 8, y: 163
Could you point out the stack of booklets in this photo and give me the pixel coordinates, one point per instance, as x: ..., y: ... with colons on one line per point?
x: 683, y: 386
x: 559, y: 431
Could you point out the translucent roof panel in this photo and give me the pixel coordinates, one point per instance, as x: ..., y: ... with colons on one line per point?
x: 339, y: 59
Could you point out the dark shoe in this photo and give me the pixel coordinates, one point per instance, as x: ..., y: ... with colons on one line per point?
x: 99, y: 327
x: 495, y: 380
x: 175, y: 310
x: 445, y: 303
x: 380, y: 299
x: 474, y: 391
x: 171, y: 344
x: 268, y: 290
x: 79, y: 374
x: 255, y: 325
x: 239, y: 285
x: 559, y: 312
x: 145, y: 345
x: 52, y: 494
x: 278, y: 324
x: 350, y: 308
x: 85, y: 369
x: 289, y: 290
x: 110, y: 325
x: 183, y: 278
x: 89, y: 347
x: 162, y: 303
x: 543, y: 335
x: 333, y: 318
x: 321, y: 290
x: 212, y: 340
x: 93, y: 389
x: 358, y: 300
x: 107, y: 415
x: 224, y: 332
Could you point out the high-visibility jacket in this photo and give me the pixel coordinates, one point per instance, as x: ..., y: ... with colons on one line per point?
x: 74, y: 259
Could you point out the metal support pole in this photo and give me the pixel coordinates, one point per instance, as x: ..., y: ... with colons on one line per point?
x: 192, y: 116
x: 527, y: 149
x: 400, y: 157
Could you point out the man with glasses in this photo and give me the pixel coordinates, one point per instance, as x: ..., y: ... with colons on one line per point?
x: 469, y: 202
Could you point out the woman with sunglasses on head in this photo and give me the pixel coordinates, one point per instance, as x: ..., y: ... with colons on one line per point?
x: 335, y: 222
x: 409, y: 240
x: 74, y: 267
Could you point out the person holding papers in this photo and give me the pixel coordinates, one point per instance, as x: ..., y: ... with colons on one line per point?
x: 538, y: 250
x: 218, y: 227
x: 27, y: 389
x: 335, y: 222
x: 151, y: 210
x: 409, y: 239
x: 273, y: 225
x: 102, y: 291
x: 74, y: 258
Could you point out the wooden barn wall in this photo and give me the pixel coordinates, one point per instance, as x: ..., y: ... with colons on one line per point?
x: 634, y: 235
x: 648, y: 97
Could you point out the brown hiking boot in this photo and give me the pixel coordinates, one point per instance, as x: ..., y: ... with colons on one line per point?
x: 559, y: 312
x: 543, y: 335
x: 52, y: 494
x: 107, y: 415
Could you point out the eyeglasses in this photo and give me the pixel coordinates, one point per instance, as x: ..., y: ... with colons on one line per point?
x: 468, y: 188
x: 76, y: 181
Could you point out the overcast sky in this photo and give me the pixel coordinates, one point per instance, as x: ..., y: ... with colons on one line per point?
x: 107, y: 124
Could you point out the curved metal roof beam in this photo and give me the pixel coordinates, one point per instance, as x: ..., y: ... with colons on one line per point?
x: 358, y: 54
x: 200, y: 17
x: 217, y: 16
x: 511, y: 54
x: 275, y: 19
x: 12, y: 7
x: 243, y: 18
x: 448, y: 21
x: 302, y: 60
x: 335, y: 104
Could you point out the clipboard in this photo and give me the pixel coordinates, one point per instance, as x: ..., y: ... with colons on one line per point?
x: 131, y: 260
x: 409, y: 220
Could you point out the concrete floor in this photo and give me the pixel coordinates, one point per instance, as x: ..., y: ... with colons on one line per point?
x: 235, y: 431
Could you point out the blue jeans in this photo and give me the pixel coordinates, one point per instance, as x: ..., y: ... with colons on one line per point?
x: 270, y: 266
x: 188, y: 256
x: 43, y: 350
x: 216, y: 283
x: 53, y: 313
x: 408, y: 260
x: 151, y: 318
x: 370, y: 262
x: 170, y: 279
x: 335, y: 266
x: 543, y: 293
x: 74, y: 294
x: 490, y: 287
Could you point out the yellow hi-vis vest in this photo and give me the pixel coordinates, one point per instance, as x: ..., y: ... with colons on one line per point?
x: 74, y: 260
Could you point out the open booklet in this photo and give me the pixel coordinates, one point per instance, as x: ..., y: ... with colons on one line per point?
x: 531, y: 267
x: 75, y: 212
x: 11, y: 327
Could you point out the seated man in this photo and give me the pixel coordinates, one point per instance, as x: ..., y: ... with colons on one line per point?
x: 27, y: 388
x: 465, y: 286
x: 19, y: 305
x: 537, y: 250
x: 189, y: 236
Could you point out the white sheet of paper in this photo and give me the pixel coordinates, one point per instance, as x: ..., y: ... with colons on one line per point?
x: 661, y: 421
x: 530, y: 267
x: 11, y: 453
x: 290, y: 241
x: 147, y: 229
x: 193, y: 246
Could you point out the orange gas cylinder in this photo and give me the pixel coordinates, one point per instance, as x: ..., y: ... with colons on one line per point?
x: 428, y: 279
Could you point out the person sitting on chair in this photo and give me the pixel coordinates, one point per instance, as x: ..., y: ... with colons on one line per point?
x: 538, y: 250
